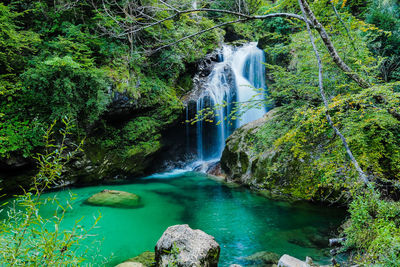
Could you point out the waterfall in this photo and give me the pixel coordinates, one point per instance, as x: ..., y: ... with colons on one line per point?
x: 238, y: 77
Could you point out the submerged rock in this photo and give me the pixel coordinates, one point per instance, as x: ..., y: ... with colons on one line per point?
x: 114, y: 198
x: 263, y: 258
x: 186, y: 247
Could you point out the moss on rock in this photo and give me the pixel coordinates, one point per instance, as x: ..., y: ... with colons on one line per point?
x: 114, y: 198
x: 147, y: 258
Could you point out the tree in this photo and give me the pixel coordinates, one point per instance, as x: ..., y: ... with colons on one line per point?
x: 311, y: 21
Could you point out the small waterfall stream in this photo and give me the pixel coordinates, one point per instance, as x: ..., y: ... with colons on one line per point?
x: 238, y: 77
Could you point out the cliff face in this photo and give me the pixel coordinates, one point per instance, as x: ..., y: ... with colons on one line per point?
x: 240, y: 161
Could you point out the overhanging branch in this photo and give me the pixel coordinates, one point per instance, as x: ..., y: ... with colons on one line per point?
x: 244, y: 16
x: 361, y: 173
x: 197, y: 33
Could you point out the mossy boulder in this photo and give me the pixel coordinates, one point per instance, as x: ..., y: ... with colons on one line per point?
x: 239, y: 160
x: 252, y: 157
x: 147, y: 259
x: 114, y: 198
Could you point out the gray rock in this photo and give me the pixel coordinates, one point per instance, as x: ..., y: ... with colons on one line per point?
x: 186, y: 247
x: 289, y: 261
x: 310, y: 262
x: 210, y: 167
x: 204, y: 68
x: 235, y: 265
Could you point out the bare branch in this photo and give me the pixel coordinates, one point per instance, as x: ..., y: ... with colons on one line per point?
x: 247, y: 17
x: 361, y: 173
x: 331, y: 48
x: 343, y: 24
x: 133, y: 26
x: 197, y: 33
x: 168, y: 5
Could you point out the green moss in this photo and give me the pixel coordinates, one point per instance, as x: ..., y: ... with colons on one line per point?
x: 115, y: 199
x: 147, y: 258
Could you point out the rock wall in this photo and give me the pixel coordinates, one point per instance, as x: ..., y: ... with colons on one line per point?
x: 239, y: 161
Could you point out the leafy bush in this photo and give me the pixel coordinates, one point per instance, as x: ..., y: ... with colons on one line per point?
x: 60, y: 86
x: 26, y: 237
x: 373, y: 230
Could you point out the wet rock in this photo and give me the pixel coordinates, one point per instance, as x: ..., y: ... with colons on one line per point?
x: 204, y: 68
x: 210, y: 167
x: 215, y: 169
x: 289, y: 261
x: 186, y: 247
x: 310, y: 262
x: 200, y: 79
x: 147, y: 259
x: 235, y: 265
x: 114, y: 198
x: 263, y: 258
x: 252, y: 158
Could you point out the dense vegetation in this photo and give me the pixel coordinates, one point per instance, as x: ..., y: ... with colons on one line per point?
x: 309, y: 160
x: 65, y: 58
x: 88, y: 61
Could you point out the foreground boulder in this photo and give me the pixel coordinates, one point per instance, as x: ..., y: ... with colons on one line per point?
x: 186, y: 247
x: 114, y: 198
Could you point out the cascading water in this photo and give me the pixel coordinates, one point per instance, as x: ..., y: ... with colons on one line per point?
x: 238, y: 77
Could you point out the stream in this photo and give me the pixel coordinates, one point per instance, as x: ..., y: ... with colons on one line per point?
x: 241, y: 221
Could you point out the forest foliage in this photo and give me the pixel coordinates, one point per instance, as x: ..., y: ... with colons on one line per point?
x: 74, y: 58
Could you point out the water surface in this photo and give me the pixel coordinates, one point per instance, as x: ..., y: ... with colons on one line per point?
x: 242, y: 222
